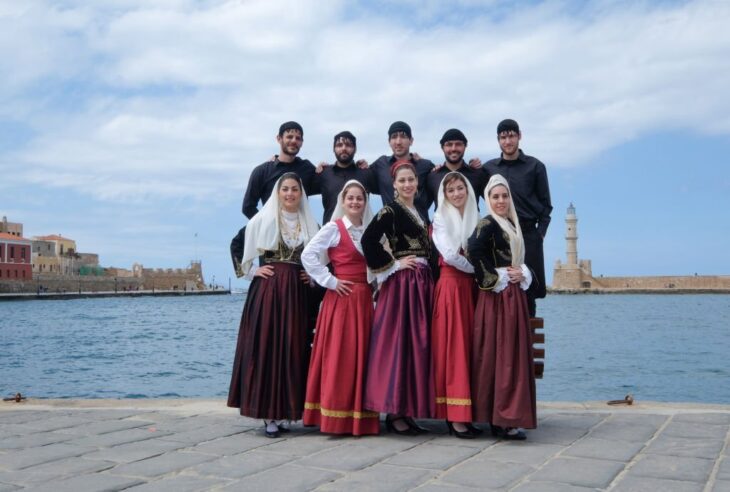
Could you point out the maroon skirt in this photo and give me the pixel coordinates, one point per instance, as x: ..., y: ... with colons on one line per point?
x: 272, y: 354
x: 398, y: 375
x: 502, y: 377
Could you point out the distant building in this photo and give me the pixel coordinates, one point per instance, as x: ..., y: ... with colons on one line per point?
x: 12, y: 228
x: 15, y: 257
x: 576, y: 275
x: 59, y: 245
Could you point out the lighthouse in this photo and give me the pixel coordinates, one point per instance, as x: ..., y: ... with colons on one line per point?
x: 571, y: 236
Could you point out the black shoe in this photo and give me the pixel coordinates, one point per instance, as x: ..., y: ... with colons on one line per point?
x: 283, y: 429
x: 415, y: 427
x: 467, y: 434
x: 474, y: 429
x: 508, y: 433
x: 271, y: 434
x: 391, y: 428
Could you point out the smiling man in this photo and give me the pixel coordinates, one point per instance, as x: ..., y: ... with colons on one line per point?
x: 264, y: 176
x: 527, y: 178
x: 400, y: 140
x: 454, y: 143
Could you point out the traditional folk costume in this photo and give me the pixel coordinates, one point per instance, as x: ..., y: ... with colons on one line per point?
x: 272, y: 354
x: 453, y: 308
x: 336, y: 381
x: 502, y: 378
x: 398, y: 379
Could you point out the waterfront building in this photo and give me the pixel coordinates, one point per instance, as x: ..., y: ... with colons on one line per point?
x: 15, y: 257
x: 576, y: 275
x: 12, y: 228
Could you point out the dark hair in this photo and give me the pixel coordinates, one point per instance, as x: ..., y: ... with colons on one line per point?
x: 402, y: 165
x: 345, y: 136
x: 453, y: 177
x: 508, y: 125
x: 354, y: 185
x: 290, y: 175
x: 290, y: 125
x: 400, y: 127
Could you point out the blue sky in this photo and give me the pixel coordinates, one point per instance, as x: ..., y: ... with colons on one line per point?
x: 132, y: 125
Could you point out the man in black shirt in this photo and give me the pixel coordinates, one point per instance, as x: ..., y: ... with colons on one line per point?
x: 264, y: 176
x: 333, y: 178
x: 454, y: 143
x: 400, y: 139
x: 527, y: 178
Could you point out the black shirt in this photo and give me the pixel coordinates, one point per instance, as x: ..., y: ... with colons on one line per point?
x: 264, y: 177
x: 384, y: 182
x: 333, y: 179
x: 527, y: 178
x: 476, y: 177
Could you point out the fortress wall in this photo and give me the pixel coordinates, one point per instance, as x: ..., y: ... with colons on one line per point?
x: 664, y: 282
x: 59, y: 283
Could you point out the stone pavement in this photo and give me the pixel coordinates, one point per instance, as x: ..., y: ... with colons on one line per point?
x: 188, y: 445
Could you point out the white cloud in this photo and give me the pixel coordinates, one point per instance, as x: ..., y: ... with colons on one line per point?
x: 181, y: 98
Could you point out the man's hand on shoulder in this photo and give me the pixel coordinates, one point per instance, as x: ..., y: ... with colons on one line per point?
x: 362, y: 164
x: 475, y: 163
x: 321, y: 166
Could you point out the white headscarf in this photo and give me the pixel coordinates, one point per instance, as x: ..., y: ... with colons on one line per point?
x: 263, y: 232
x: 513, y: 230
x: 458, y: 227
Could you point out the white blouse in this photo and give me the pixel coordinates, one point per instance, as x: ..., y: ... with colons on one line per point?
x: 449, y: 252
x: 327, y: 237
x: 291, y: 233
x: 503, y: 281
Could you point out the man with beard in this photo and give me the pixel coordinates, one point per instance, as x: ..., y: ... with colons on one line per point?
x: 453, y: 144
x: 264, y: 176
x: 527, y: 178
x: 400, y: 139
x: 333, y: 178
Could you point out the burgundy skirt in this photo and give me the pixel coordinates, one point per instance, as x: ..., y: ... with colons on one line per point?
x: 272, y: 354
x: 398, y: 375
x: 502, y: 377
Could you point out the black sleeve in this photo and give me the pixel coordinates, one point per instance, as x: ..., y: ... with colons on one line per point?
x: 378, y: 259
x: 542, y: 190
x: 253, y: 192
x: 237, y: 250
x: 480, y: 253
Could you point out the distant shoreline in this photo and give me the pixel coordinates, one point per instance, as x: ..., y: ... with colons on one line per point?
x: 636, y: 291
x: 29, y: 296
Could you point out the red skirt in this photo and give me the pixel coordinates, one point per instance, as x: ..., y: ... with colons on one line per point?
x: 502, y: 377
x: 451, y: 334
x: 398, y: 379
x: 336, y: 382
x: 272, y: 354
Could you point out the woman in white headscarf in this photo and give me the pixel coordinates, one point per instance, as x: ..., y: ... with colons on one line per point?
x: 272, y: 354
x: 502, y: 378
x: 336, y: 381
x: 453, y: 306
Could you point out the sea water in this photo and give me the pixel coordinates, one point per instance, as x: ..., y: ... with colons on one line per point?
x: 598, y: 347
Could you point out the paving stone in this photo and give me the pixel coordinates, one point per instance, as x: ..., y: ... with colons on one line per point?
x: 179, y: 483
x: 56, y: 469
x: 520, y: 452
x: 577, y: 420
x: 230, y: 445
x: 436, y: 486
x: 134, y: 451
x: 650, y: 419
x: 549, y: 487
x: 241, y: 465
x: 105, y: 427
x: 431, y: 455
x: 347, y: 457
x: 703, y: 418
x: 35, y: 456
x: 555, y: 433
x: 95, y: 482
x: 673, y: 468
x: 160, y: 465
x: 603, y: 449
x: 298, y: 446
x: 389, y: 478
x: 680, y: 446
x: 284, y: 478
x: 21, y: 416
x: 721, y: 486
x: 695, y: 430
x: 612, y: 430
x: 583, y: 472
x: 723, y: 472
x: 202, y: 434
x: 6, y: 487
x: 33, y: 440
x: 646, y: 484
x: 55, y: 422
x: 486, y: 474
x: 118, y: 437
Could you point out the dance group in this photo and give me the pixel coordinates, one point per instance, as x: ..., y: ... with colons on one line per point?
x: 419, y: 320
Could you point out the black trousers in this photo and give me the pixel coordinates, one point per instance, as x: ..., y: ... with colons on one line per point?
x: 535, y: 260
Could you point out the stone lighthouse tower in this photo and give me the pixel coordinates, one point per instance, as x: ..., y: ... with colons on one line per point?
x: 571, y: 236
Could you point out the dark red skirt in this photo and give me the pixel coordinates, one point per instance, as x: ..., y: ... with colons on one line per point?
x: 398, y: 374
x: 272, y: 354
x: 451, y: 338
x: 502, y: 377
x: 336, y: 382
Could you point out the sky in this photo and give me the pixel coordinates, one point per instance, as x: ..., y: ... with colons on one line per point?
x: 131, y: 126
